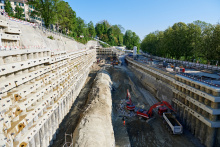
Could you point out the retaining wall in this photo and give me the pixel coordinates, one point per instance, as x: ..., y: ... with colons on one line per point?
x: 197, y: 104
x: 38, y: 85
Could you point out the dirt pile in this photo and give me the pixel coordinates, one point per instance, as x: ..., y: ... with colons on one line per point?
x: 95, y: 128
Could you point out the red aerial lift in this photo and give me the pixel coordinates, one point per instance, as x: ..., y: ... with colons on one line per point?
x: 129, y: 105
x: 161, y: 110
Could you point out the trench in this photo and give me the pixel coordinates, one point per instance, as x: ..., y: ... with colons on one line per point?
x: 137, y: 132
x: 71, y: 120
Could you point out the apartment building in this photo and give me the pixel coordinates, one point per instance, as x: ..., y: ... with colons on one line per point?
x: 26, y: 8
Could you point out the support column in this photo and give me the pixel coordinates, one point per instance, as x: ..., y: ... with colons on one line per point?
x: 32, y: 143
x: 185, y: 112
x: 202, y: 135
x: 188, y: 121
x: 42, y: 136
x: 46, y: 133
x: 50, y: 129
x: 37, y: 139
x: 198, y: 129
x: 193, y: 124
x: 210, y: 136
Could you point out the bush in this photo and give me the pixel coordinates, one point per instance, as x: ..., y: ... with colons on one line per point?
x: 50, y: 37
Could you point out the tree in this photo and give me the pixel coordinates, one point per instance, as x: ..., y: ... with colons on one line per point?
x: 8, y: 8
x: 127, y: 39
x: 91, y: 29
x: 120, y: 39
x: 99, y: 30
x: 80, y: 26
x: 18, y: 12
x: 192, y: 41
x: 131, y: 40
x: 46, y: 9
x: 216, y: 42
x: 66, y: 17
x: 207, y: 43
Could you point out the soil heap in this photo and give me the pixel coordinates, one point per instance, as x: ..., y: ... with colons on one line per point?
x: 95, y: 128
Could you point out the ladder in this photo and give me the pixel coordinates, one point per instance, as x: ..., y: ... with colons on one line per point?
x: 68, y: 144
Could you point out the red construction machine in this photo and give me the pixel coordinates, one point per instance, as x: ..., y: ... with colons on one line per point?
x: 129, y: 105
x: 172, y: 124
x: 161, y: 109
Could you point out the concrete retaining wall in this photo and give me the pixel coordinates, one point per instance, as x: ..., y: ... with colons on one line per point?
x: 198, y: 111
x: 157, y: 87
x: 38, y: 85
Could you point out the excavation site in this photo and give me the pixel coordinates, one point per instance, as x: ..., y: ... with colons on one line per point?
x: 61, y: 88
x: 97, y: 124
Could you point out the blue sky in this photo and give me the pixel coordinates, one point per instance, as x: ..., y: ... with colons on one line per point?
x: 145, y: 16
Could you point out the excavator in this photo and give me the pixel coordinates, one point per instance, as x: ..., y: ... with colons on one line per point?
x: 129, y: 105
x: 172, y: 124
x: 148, y: 114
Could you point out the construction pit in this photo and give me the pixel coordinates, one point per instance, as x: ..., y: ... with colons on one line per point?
x: 50, y: 96
x: 129, y: 130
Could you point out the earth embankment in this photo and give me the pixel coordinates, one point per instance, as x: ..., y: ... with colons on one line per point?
x: 95, y: 128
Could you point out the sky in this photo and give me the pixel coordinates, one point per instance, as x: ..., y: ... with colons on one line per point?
x: 146, y: 16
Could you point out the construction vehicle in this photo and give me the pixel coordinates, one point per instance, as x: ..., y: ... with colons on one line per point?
x: 148, y: 114
x: 129, y: 105
x: 173, y: 124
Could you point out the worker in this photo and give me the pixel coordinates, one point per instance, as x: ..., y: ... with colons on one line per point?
x: 123, y: 119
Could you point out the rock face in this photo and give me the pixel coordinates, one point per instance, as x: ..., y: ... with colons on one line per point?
x: 95, y: 128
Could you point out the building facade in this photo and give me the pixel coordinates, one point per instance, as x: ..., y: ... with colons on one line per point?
x: 26, y: 8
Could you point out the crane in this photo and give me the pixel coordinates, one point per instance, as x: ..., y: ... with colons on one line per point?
x: 161, y: 110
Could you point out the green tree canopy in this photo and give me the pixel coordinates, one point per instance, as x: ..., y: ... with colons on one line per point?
x: 91, y: 28
x: 66, y: 17
x: 46, y: 9
x: 197, y: 40
x: 8, y: 8
x: 18, y: 12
